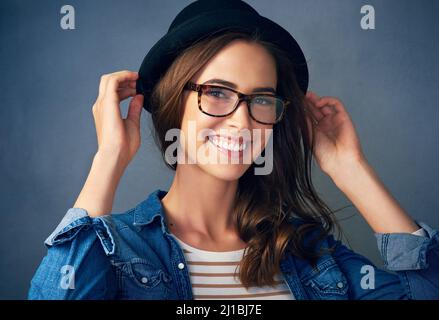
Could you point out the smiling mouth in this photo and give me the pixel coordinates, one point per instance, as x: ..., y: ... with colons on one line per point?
x: 227, y: 145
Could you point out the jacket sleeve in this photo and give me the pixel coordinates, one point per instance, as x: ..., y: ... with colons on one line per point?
x: 415, y: 259
x: 413, y: 262
x: 76, y: 265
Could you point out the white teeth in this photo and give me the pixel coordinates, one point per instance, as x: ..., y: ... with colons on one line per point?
x: 223, y: 144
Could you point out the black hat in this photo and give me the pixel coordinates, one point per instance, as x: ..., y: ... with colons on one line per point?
x: 204, y: 17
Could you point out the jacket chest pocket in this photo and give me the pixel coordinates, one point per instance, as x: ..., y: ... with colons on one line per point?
x: 139, y: 279
x: 327, y: 282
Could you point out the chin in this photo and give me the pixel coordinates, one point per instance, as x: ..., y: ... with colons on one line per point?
x: 226, y: 172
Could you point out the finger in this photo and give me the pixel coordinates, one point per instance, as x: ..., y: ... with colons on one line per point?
x: 135, y: 109
x: 105, y: 78
x: 327, y: 110
x: 127, y: 84
x: 312, y: 117
x: 102, y: 84
x: 331, y: 106
x: 125, y: 93
x: 132, y: 84
x: 326, y: 105
x: 115, y: 79
x: 110, y: 99
x: 310, y: 108
x: 312, y: 96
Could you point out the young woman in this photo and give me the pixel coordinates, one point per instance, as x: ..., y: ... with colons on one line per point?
x: 222, y: 230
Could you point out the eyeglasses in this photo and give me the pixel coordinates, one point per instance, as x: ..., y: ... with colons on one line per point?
x: 218, y: 101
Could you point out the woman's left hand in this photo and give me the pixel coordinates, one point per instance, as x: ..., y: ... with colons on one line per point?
x: 338, y: 152
x: 336, y: 141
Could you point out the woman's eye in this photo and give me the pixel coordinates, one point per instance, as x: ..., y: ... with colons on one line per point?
x: 215, y: 93
x: 261, y: 101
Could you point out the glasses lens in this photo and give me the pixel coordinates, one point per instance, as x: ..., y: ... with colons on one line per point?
x: 218, y: 101
x: 266, y: 109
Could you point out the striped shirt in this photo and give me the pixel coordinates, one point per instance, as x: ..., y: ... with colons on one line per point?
x: 212, y: 276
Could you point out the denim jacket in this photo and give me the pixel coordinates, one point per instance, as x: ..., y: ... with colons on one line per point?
x: 132, y: 255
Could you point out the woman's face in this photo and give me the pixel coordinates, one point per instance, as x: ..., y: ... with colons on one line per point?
x: 249, y: 66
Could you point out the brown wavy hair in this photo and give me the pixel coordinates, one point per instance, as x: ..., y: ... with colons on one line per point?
x: 265, y: 204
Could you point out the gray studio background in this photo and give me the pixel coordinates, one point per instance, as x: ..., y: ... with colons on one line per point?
x: 387, y: 78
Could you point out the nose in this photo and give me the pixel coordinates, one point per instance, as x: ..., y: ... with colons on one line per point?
x: 241, y: 117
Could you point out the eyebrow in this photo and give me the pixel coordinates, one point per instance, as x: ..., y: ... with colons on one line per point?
x: 234, y: 86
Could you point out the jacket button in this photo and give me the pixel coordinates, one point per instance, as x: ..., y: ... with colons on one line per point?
x: 181, y: 266
x: 144, y: 279
x: 340, y: 285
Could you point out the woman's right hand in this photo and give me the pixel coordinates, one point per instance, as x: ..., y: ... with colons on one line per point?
x: 117, y: 136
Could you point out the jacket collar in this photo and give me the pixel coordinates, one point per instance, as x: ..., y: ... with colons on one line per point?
x: 150, y: 209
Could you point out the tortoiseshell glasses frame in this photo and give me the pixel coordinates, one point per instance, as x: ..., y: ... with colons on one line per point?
x: 200, y: 88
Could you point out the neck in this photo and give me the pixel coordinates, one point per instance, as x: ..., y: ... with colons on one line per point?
x: 200, y: 204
